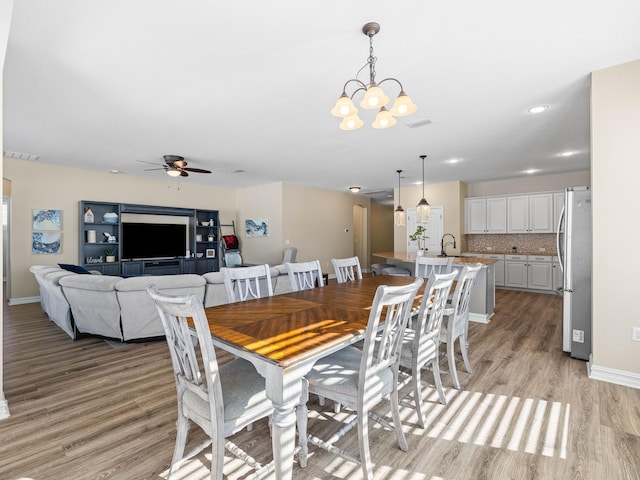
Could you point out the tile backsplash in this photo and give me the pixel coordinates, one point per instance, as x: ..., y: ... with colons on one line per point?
x: 526, y: 243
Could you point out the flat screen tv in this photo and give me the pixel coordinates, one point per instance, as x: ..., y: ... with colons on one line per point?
x: 153, y: 240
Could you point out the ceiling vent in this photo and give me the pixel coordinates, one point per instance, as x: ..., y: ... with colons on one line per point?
x: 20, y: 156
x: 420, y: 123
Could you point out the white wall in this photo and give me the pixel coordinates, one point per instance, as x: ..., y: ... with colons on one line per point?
x: 529, y: 184
x: 615, y: 140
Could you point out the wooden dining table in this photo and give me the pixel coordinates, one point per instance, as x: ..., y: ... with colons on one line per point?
x: 284, y: 335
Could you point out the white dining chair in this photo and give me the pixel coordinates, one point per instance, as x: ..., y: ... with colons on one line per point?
x: 427, y: 266
x: 247, y: 283
x: 360, y: 379
x: 305, y: 275
x: 421, y: 342
x: 455, y: 324
x: 221, y: 400
x: 347, y: 269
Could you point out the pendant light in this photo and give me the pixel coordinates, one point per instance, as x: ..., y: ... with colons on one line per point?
x: 399, y: 215
x: 423, y: 209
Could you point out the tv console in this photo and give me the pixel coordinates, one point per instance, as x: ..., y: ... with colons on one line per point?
x: 101, y: 233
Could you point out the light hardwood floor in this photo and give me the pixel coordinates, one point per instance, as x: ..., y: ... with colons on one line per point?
x: 88, y: 410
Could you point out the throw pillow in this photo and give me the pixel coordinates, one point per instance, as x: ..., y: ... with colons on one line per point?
x: 74, y: 268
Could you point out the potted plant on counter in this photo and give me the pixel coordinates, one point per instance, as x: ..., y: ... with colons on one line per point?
x: 419, y: 236
x: 110, y: 254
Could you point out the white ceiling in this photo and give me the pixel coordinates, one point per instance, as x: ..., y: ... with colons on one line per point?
x: 248, y: 86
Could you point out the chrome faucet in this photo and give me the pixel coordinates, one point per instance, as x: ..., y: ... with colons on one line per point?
x: 443, y: 245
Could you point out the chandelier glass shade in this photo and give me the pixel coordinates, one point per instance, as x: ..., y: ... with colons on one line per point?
x: 374, y: 96
x: 399, y: 217
x: 423, y: 210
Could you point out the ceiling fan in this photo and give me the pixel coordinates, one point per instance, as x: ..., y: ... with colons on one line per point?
x: 176, y: 166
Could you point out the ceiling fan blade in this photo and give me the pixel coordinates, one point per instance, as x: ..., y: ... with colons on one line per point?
x: 151, y: 163
x: 183, y: 173
x: 196, y: 170
x: 151, y: 169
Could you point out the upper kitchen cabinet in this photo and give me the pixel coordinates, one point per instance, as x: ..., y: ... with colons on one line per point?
x: 530, y: 213
x: 485, y: 215
x: 558, y: 205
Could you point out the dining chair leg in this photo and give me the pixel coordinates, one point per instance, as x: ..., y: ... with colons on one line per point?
x: 182, y: 429
x: 397, y: 422
x: 464, y: 345
x: 417, y: 395
x: 435, y: 368
x: 451, y: 357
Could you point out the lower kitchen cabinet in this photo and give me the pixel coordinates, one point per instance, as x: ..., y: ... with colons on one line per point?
x: 528, y: 271
x: 499, y: 267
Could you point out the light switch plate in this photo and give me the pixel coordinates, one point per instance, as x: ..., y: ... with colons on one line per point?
x: 635, y: 335
x: 578, y: 336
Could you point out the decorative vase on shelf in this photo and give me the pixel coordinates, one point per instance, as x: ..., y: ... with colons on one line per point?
x: 110, y: 258
x: 210, y: 237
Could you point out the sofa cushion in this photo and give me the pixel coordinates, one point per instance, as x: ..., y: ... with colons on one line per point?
x: 74, y: 268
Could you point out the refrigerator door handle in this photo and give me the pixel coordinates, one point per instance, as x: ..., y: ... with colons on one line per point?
x: 558, y: 249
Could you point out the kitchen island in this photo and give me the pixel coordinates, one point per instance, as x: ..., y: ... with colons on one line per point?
x: 483, y: 295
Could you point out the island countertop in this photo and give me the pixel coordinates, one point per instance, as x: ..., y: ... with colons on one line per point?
x: 411, y: 258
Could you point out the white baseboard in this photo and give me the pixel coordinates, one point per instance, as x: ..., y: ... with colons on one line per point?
x: 480, y: 317
x: 611, y: 375
x: 23, y: 300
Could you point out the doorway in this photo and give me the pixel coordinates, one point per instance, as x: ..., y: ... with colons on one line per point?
x: 360, y: 237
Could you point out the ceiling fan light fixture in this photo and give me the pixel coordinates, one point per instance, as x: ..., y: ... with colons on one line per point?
x: 173, y: 172
x: 354, y: 189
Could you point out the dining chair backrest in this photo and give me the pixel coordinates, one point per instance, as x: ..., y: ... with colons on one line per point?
x: 305, y: 275
x: 221, y: 400
x: 247, y: 283
x: 461, y: 301
x: 432, y: 308
x: 289, y: 255
x: 381, y: 348
x: 347, y: 269
x: 427, y: 266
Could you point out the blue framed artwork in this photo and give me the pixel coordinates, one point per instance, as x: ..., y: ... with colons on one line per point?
x: 43, y: 242
x: 256, y: 227
x: 49, y: 220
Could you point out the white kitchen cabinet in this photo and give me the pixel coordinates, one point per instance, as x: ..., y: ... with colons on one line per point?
x: 485, y: 215
x: 532, y: 272
x: 515, y: 271
x: 557, y: 277
x: 539, y: 276
x: 530, y: 213
x: 499, y: 267
x: 558, y: 203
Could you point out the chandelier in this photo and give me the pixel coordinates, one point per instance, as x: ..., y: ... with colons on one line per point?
x: 374, y: 97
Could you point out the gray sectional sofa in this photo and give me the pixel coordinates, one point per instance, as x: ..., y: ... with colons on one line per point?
x: 120, y: 308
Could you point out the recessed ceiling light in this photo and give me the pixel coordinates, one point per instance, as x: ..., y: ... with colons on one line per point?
x: 115, y: 171
x: 453, y: 160
x: 531, y: 170
x: 567, y: 154
x: 538, y: 108
x: 354, y: 189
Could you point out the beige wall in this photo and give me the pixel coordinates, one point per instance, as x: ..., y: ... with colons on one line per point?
x: 320, y: 223
x: 529, y: 184
x: 41, y: 185
x: 260, y: 202
x: 615, y: 143
x: 381, y: 229
x: 450, y: 195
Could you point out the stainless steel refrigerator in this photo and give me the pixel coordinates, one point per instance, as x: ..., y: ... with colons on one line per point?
x: 574, y: 251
